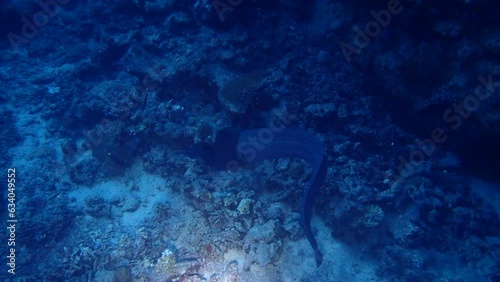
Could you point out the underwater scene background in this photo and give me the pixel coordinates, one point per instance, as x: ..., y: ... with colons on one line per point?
x: 194, y: 140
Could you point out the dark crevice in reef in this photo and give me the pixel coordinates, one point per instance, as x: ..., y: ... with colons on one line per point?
x: 478, y: 148
x: 480, y: 155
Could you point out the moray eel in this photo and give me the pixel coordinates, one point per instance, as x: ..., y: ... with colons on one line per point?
x: 233, y: 147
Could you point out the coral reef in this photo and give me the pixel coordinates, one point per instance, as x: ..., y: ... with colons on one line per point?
x: 104, y: 102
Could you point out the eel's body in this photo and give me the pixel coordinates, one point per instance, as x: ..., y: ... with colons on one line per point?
x: 255, y: 145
